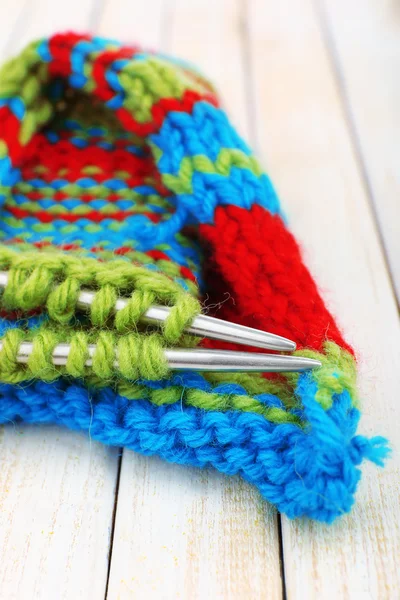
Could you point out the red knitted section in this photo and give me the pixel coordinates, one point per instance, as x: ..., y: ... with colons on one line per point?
x: 52, y: 160
x: 257, y: 261
x: 60, y: 46
x: 9, y: 131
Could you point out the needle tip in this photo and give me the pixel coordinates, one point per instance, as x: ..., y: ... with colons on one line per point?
x: 311, y: 363
x: 288, y: 345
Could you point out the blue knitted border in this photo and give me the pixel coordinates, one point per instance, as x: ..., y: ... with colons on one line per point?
x: 304, y: 472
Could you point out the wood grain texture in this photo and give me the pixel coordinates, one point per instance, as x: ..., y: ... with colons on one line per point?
x: 310, y: 155
x: 56, y: 503
x: 364, y: 38
x: 181, y: 532
x: 189, y: 533
x: 57, y: 487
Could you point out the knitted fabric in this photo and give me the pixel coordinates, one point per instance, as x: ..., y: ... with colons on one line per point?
x: 119, y: 172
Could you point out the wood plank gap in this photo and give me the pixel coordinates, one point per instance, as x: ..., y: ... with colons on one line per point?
x: 281, y: 556
x: 94, y: 19
x: 113, y: 519
x: 348, y: 117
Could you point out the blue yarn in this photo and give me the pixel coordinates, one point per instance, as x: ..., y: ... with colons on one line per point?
x: 116, y: 102
x: 179, y: 137
x: 15, y: 105
x: 30, y: 322
x: 85, y: 47
x: 304, y: 472
x: 202, y: 133
x: 44, y: 51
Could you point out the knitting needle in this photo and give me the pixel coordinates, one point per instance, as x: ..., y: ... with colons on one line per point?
x: 197, y: 359
x: 202, y: 325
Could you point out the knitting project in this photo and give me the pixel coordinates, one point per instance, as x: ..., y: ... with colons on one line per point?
x: 119, y: 172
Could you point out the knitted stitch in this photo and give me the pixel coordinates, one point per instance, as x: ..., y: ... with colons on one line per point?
x: 119, y: 172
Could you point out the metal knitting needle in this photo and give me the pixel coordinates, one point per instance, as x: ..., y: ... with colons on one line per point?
x: 205, y: 326
x: 202, y: 325
x: 198, y: 359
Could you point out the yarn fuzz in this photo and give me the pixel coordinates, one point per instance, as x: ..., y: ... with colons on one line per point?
x: 119, y: 172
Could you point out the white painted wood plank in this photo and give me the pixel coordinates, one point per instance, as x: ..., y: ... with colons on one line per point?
x: 190, y: 533
x: 57, y: 488
x: 138, y: 22
x: 45, y: 17
x: 181, y: 532
x: 210, y: 34
x: 309, y: 154
x: 365, y: 37
x: 9, y: 19
x: 56, y: 504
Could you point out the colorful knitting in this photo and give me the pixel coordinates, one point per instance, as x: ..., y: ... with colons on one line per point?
x: 119, y: 172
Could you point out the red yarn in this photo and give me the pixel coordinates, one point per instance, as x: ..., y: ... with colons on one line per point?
x: 257, y: 261
x: 159, y: 111
x: 9, y: 130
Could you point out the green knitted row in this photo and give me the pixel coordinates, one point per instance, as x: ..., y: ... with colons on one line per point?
x: 337, y: 374
x: 81, y: 210
x: 100, y: 191
x: 167, y: 267
x: 142, y: 357
x: 137, y: 356
x: 39, y: 278
x: 227, y: 159
x: 207, y: 400
x: 69, y: 228
x: 131, y: 356
x: 55, y: 280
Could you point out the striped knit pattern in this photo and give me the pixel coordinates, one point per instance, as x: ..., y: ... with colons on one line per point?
x: 120, y: 172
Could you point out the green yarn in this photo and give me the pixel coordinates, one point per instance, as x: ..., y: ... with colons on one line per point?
x: 145, y: 84
x: 27, y: 295
x: 55, y: 280
x: 137, y: 356
x: 206, y: 400
x: 166, y: 267
x: 61, y: 301
x: 337, y: 374
x: 225, y: 161
x: 130, y: 357
x: 122, y: 351
x: 257, y: 383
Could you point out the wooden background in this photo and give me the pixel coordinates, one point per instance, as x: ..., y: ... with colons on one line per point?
x: 314, y: 86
